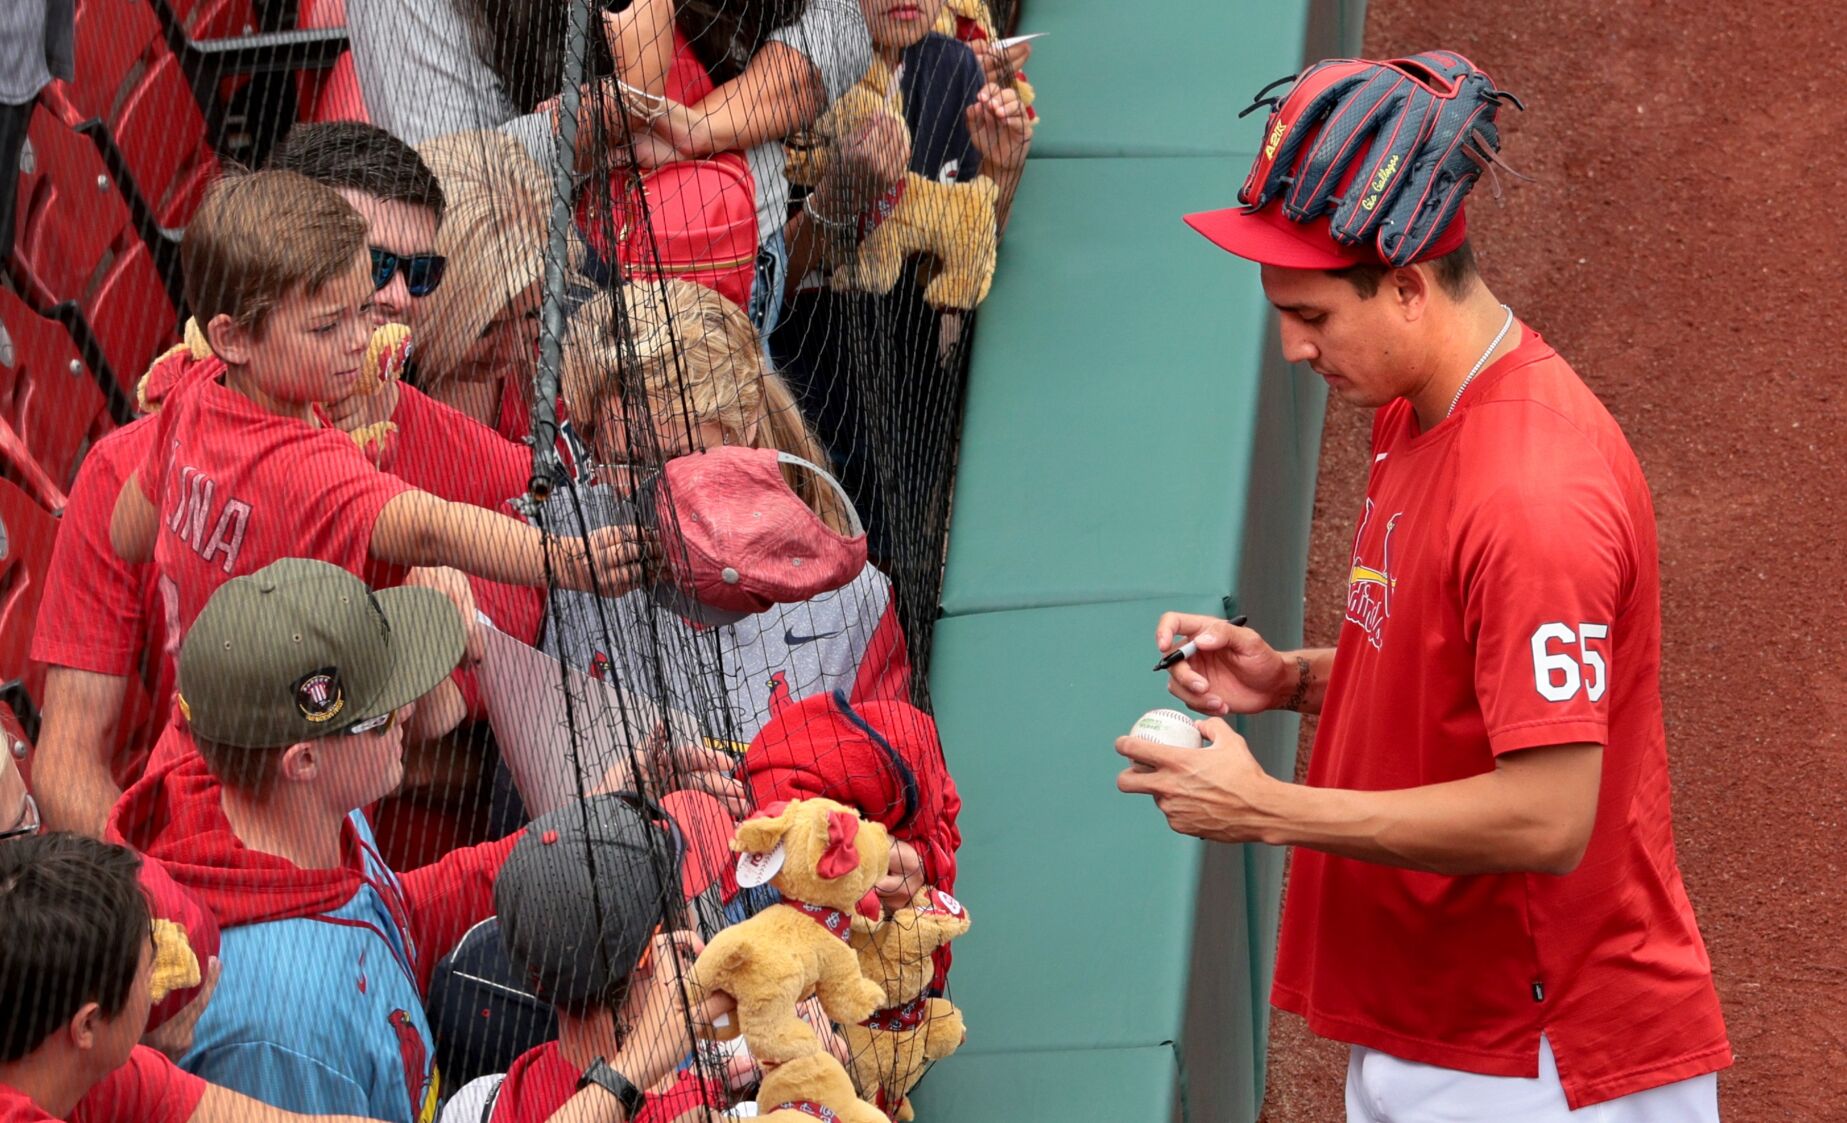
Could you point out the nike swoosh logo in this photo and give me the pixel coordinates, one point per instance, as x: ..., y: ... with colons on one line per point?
x: 794, y: 640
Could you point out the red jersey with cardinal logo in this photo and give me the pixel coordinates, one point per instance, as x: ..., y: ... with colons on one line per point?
x: 1504, y: 594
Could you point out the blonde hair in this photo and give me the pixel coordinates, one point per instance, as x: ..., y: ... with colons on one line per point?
x: 696, y: 358
x: 494, y: 234
x: 259, y: 236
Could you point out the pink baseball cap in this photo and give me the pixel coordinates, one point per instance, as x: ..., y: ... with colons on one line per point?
x: 745, y: 540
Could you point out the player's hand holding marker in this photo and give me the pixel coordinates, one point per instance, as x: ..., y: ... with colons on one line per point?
x: 1233, y: 670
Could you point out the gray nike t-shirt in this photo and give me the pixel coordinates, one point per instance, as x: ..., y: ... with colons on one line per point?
x: 728, y: 677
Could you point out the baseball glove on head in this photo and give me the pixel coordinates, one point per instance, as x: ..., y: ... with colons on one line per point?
x: 1385, y: 151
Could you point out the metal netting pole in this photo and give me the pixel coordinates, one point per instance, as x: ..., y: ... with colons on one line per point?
x: 545, y: 461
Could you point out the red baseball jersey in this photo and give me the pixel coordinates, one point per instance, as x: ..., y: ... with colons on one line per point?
x: 100, y: 613
x: 1504, y: 594
x: 238, y: 487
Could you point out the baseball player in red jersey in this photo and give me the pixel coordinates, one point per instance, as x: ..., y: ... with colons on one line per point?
x: 1484, y: 900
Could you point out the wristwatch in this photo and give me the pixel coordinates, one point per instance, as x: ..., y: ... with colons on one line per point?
x: 616, y: 1084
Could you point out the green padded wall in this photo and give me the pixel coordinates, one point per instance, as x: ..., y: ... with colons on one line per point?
x: 1132, y: 443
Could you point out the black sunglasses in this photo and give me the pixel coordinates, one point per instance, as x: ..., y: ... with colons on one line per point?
x: 422, y: 272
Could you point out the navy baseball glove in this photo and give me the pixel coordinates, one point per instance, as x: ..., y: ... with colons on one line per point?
x: 1414, y: 132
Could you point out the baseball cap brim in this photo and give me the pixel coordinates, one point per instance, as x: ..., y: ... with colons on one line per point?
x: 426, y: 645
x: 707, y: 828
x: 1269, y: 238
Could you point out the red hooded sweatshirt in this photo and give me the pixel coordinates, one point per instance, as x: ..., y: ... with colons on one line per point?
x: 174, y: 814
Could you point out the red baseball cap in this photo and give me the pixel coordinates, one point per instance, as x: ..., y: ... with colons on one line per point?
x: 746, y: 541
x: 168, y: 901
x: 1268, y: 237
x: 706, y: 827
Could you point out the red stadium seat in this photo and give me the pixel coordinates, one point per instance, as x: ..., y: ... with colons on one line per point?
x: 26, y: 534
x: 130, y: 81
x: 47, y: 395
x: 333, y: 95
x: 215, y: 19
x: 12, y: 732
x: 76, y: 242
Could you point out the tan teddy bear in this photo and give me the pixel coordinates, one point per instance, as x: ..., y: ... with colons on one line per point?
x: 952, y: 222
x: 894, y: 1046
x: 824, y: 860
x: 812, y: 1087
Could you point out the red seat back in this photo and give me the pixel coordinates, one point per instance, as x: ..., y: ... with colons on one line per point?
x: 333, y: 95
x: 26, y: 534
x: 215, y: 19
x: 130, y: 81
x: 47, y: 395
x: 76, y: 242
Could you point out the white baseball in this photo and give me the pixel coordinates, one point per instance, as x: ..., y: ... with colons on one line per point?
x: 1167, y: 727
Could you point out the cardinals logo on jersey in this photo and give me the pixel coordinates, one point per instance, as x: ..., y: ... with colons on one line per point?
x: 779, y: 692
x: 1370, y: 585
x: 422, y: 1084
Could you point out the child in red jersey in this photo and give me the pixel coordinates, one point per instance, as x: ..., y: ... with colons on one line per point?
x: 99, y: 627
x: 244, y: 470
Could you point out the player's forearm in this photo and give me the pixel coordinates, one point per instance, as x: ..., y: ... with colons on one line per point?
x: 779, y: 92
x: 1311, y: 667
x: 1481, y: 824
x: 71, y: 779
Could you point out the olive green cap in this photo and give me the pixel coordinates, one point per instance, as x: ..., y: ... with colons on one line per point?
x: 301, y: 649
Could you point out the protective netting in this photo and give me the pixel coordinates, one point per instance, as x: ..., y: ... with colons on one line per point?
x: 476, y: 486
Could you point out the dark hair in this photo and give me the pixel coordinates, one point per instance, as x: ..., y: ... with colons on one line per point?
x: 73, y: 922
x: 1455, y: 273
x: 522, y: 42
x: 250, y: 772
x: 724, y: 34
x: 360, y: 157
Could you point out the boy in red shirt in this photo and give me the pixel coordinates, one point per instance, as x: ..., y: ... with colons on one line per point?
x: 243, y: 470
x: 1484, y: 899
x: 75, y: 960
x: 99, y: 630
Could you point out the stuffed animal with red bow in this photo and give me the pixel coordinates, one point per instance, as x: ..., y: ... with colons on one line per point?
x: 824, y: 860
x: 911, y: 1031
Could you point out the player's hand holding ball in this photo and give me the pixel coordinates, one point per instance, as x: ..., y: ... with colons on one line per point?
x: 1234, y: 672
x: 1217, y: 791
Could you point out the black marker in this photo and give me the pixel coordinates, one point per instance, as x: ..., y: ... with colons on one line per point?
x: 1189, y: 649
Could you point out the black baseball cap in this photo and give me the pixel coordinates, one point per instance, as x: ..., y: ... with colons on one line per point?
x: 581, y: 894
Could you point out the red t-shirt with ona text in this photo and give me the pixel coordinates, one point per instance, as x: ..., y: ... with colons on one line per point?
x: 238, y: 487
x: 1504, y: 594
